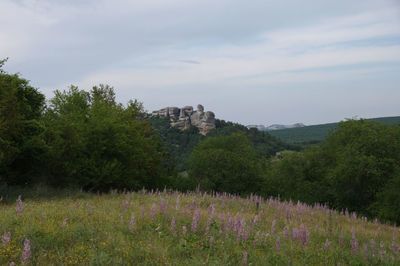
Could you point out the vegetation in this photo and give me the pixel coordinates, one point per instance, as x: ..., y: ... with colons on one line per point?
x: 315, y: 134
x: 85, y: 139
x: 188, y: 229
x: 81, y: 139
x: 357, y: 167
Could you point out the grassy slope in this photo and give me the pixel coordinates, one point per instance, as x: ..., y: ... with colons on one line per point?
x: 101, y: 230
x: 318, y: 132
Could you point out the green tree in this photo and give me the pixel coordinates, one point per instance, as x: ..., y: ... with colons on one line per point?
x: 226, y: 163
x: 22, y: 149
x: 98, y: 143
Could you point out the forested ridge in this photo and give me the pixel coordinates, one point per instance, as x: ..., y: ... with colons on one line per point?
x: 86, y: 139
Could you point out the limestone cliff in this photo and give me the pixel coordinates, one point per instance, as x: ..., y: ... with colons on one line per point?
x: 185, y: 117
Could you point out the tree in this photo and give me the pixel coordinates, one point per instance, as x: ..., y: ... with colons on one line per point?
x: 226, y: 163
x: 22, y: 149
x: 98, y: 143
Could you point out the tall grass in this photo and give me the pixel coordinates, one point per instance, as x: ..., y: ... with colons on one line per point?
x: 190, y: 228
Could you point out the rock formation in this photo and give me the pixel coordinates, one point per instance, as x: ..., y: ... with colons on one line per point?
x: 185, y: 117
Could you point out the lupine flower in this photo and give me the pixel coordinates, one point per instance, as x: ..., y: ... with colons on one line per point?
x: 365, y: 248
x: 184, y: 229
x: 132, y: 222
x: 64, y: 224
x: 196, y: 219
x: 5, y: 238
x: 354, y: 246
x: 19, y: 207
x: 26, y: 252
x: 278, y: 243
x: 244, y: 260
x: 211, y: 241
x: 153, y: 211
x: 12, y: 263
x: 208, y: 226
x: 353, y: 233
x: 373, y: 247
x: 173, y: 225
x: 327, y: 244
x: 256, y: 238
x: 122, y: 218
x: 273, y: 227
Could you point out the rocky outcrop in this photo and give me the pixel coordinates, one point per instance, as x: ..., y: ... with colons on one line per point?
x: 185, y: 117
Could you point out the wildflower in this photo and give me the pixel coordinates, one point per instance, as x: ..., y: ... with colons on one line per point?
x: 122, y: 218
x: 273, y: 227
x: 327, y: 244
x: 196, y: 219
x: 26, y: 252
x: 244, y: 260
x: 341, y: 240
x: 173, y: 225
x: 373, y: 247
x: 12, y: 263
x: 278, y: 243
x: 256, y: 238
x: 132, y: 222
x: 20, y: 207
x: 64, y: 224
x: 365, y: 248
x: 6, y: 238
x: 354, y: 246
x: 184, y: 229
x: 208, y: 226
x: 211, y: 241
x: 153, y: 211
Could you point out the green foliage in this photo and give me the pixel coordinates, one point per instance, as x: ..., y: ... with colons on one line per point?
x: 356, y: 168
x: 97, y: 143
x: 181, y: 143
x: 22, y: 150
x: 315, y: 134
x: 226, y: 164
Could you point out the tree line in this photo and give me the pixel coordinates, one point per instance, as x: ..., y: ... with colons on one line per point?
x: 87, y: 139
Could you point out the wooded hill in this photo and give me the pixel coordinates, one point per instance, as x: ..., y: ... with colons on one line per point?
x: 316, y: 133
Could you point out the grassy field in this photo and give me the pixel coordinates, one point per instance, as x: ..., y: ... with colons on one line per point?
x: 194, y: 228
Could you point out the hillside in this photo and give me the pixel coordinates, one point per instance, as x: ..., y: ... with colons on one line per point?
x: 179, y: 144
x: 192, y: 228
x: 316, y: 133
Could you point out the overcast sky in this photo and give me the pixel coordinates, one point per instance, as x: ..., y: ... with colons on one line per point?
x: 252, y: 62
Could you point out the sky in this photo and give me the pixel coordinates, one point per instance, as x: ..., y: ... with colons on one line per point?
x: 251, y: 62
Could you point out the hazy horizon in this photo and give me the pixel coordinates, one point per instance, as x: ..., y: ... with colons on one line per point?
x: 259, y: 62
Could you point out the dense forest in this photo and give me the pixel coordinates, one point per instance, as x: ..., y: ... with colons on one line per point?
x: 86, y: 139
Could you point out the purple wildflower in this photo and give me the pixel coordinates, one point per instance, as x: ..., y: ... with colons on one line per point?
x: 327, y: 244
x: 6, y: 238
x: 184, y: 229
x: 373, y: 247
x: 273, y: 227
x: 26, y: 252
x: 196, y: 219
x: 341, y: 240
x: 132, y: 223
x: 211, y: 241
x: 19, y: 207
x: 173, y: 225
x: 244, y: 260
x: 365, y: 248
x: 64, y: 224
x: 153, y: 211
x: 354, y: 246
x: 278, y: 243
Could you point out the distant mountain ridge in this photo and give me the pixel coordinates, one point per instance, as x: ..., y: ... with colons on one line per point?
x: 317, y: 133
x: 275, y: 126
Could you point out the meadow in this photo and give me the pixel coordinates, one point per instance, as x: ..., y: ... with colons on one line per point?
x: 192, y: 228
